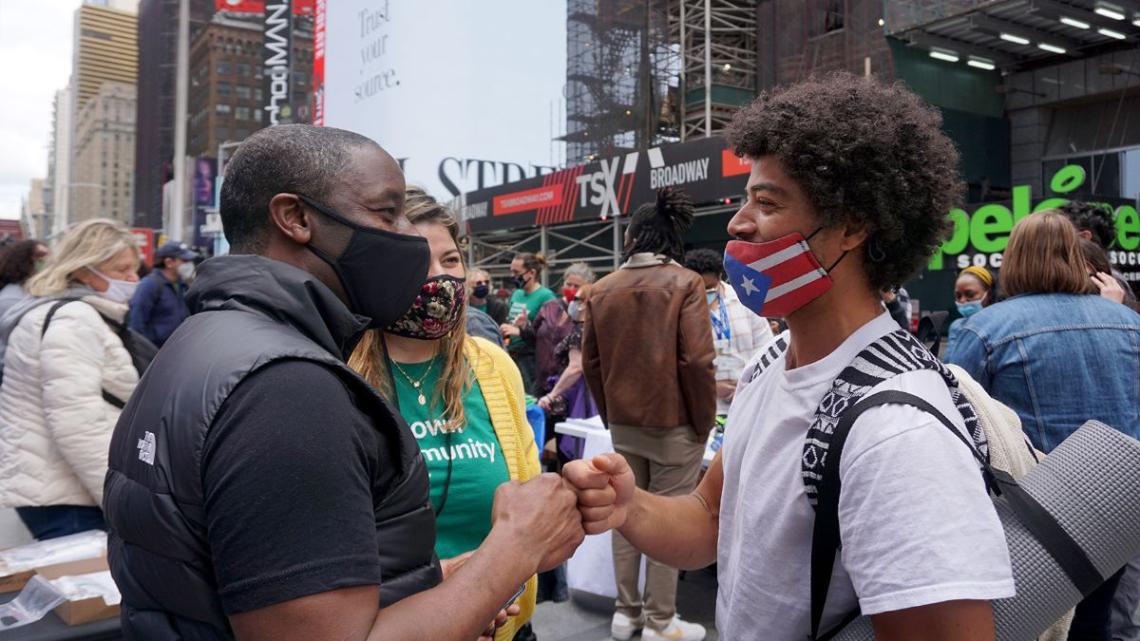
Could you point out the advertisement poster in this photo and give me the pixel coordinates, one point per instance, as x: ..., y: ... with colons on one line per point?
x: 464, y: 94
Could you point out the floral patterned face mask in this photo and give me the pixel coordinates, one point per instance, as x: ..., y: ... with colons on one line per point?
x: 436, y: 310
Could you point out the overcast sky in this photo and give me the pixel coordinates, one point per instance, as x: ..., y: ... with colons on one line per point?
x: 35, y: 45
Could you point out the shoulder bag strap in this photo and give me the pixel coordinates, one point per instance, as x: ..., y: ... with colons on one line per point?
x: 825, y: 533
x: 110, y: 398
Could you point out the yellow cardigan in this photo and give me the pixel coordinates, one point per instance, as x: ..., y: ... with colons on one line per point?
x: 502, y: 387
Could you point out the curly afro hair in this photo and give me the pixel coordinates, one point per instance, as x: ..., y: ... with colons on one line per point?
x: 705, y: 261
x: 1094, y: 218
x: 864, y: 153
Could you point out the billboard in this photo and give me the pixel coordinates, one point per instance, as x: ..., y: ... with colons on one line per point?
x: 300, y: 7
x: 277, y: 52
x: 205, y: 177
x: 465, y: 94
x: 981, y: 232
x: 145, y: 238
x: 705, y: 169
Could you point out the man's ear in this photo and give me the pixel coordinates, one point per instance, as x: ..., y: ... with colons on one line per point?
x: 854, y: 235
x: 287, y: 214
x: 1084, y: 233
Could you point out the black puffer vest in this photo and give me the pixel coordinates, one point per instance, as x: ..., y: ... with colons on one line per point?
x: 250, y: 311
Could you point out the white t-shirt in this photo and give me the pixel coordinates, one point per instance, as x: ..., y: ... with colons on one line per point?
x: 916, y: 523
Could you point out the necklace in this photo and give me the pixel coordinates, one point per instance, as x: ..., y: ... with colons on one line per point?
x: 416, y: 384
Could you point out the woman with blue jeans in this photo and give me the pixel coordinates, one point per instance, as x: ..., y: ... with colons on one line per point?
x: 1058, y: 354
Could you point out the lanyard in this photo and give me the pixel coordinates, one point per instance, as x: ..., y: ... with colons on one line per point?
x: 722, y: 330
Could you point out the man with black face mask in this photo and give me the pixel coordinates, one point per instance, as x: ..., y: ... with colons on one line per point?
x: 258, y: 488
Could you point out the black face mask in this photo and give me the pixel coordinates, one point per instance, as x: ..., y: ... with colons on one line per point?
x: 381, y: 271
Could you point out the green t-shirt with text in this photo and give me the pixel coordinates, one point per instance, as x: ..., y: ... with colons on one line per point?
x: 532, y: 302
x: 477, y: 465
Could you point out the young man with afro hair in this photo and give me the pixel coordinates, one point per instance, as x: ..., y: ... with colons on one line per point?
x: 853, y: 178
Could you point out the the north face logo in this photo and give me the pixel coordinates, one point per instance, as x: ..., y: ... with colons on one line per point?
x: 146, y: 448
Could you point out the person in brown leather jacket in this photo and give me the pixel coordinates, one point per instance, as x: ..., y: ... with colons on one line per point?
x: 647, y: 354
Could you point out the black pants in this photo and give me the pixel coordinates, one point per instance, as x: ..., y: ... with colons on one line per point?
x: 54, y: 521
x: 1093, y: 620
x: 528, y: 368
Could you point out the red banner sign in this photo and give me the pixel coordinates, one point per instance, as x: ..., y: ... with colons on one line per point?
x: 145, y: 238
x: 300, y: 7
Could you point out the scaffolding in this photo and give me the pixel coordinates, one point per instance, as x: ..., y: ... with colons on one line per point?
x: 622, y: 75
x: 718, y: 41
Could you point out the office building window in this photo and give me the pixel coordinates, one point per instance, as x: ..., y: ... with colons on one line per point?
x: 824, y: 17
x: 224, y: 89
x: 222, y: 108
x: 243, y: 92
x: 241, y: 113
x: 224, y: 68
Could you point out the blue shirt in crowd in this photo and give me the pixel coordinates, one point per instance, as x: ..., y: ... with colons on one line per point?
x: 1058, y: 360
x: 158, y: 307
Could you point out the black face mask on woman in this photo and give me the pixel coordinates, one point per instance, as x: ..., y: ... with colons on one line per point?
x: 381, y: 271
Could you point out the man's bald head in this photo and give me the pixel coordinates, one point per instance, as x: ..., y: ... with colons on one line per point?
x: 284, y: 159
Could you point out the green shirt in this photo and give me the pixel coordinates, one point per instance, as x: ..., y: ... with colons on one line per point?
x: 477, y: 465
x: 532, y: 302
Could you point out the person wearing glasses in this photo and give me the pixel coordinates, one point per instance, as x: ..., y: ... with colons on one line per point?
x: 481, y: 297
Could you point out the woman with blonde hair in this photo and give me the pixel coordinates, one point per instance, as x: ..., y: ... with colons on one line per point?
x: 462, y: 397
x: 67, y: 375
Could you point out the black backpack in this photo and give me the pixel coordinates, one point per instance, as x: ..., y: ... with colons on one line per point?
x: 142, y: 351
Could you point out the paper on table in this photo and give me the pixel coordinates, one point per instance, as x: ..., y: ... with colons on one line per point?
x: 86, y: 586
x: 74, y: 547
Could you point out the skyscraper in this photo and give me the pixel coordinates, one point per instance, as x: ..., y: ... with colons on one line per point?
x: 57, y: 189
x: 104, y: 155
x: 104, y: 70
x: 154, y: 142
x: 106, y: 50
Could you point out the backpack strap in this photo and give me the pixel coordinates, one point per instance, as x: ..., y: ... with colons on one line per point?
x: 51, y: 313
x: 826, y: 542
x: 110, y: 398
x: 893, y: 354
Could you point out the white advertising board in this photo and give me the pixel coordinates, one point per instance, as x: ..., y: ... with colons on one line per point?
x: 465, y: 94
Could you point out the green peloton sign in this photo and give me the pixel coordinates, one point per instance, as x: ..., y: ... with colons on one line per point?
x: 979, y: 238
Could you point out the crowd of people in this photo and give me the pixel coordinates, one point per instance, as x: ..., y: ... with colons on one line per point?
x: 325, y: 434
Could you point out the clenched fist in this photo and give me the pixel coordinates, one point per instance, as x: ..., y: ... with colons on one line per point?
x: 542, y: 515
x: 605, y: 487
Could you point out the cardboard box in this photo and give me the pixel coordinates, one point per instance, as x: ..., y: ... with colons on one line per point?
x: 14, y: 581
x: 83, y: 610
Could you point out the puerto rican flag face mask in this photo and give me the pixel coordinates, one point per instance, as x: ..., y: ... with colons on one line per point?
x: 776, y: 278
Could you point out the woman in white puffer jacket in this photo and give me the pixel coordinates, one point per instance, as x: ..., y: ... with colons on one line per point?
x: 55, y: 423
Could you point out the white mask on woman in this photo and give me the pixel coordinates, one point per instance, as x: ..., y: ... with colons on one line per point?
x: 118, y: 291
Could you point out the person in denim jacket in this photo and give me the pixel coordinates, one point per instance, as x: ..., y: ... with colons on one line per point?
x: 1053, y: 350
x: 1058, y: 354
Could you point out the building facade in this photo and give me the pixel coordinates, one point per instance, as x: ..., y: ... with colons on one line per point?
x: 57, y: 187
x: 103, y: 168
x: 154, y: 141
x: 106, y: 50
x: 33, y: 214
x: 226, y: 81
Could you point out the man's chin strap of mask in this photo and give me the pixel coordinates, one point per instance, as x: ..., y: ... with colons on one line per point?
x: 841, y: 256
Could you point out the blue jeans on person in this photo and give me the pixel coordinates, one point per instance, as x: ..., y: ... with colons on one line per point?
x: 54, y: 521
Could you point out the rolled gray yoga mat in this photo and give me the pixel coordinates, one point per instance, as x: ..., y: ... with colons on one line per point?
x: 1091, y: 485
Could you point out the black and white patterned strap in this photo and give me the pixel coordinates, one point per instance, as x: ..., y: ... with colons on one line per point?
x: 893, y: 354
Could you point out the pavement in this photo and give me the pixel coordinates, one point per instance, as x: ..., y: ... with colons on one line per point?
x: 585, y: 617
